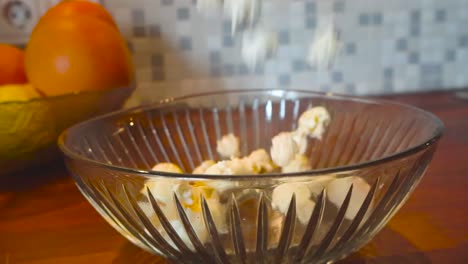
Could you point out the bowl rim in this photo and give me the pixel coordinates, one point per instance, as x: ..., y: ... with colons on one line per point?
x: 433, y: 139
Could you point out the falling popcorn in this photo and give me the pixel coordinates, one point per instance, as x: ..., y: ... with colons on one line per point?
x: 324, y: 48
x: 243, y: 13
x: 258, y: 46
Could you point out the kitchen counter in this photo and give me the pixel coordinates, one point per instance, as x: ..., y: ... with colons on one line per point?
x: 45, y: 219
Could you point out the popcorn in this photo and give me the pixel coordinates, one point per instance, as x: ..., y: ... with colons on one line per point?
x: 283, y: 148
x: 203, y: 167
x: 242, y: 12
x: 301, y: 141
x: 260, y: 161
x: 282, y: 195
x: 162, y: 188
x: 325, y: 47
x: 258, y: 46
x: 235, y: 166
x: 228, y: 146
x: 298, y: 164
x: 338, y: 189
x: 313, y: 122
x: 229, y: 167
x: 167, y: 167
x: 319, y: 183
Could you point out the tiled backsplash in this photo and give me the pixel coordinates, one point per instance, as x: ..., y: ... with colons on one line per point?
x: 388, y: 46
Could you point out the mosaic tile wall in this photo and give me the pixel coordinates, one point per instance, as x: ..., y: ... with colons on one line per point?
x: 389, y: 46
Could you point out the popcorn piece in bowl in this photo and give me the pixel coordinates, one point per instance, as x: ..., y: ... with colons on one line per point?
x: 260, y: 161
x: 298, y: 164
x: 162, y: 188
x: 338, y: 188
x: 283, y: 148
x: 228, y: 146
x: 167, y: 167
x: 313, y: 122
x: 282, y: 195
x: 203, y: 166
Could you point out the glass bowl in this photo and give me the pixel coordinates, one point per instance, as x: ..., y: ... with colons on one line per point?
x: 370, y: 159
x: 29, y: 129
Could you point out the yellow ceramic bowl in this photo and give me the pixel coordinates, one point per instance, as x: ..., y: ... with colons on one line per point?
x: 29, y: 129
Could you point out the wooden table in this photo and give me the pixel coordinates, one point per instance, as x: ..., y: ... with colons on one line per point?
x: 44, y: 218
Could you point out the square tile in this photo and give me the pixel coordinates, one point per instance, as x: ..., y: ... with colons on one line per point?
x: 463, y: 41
x: 284, y: 80
x: 337, y: 77
x: 158, y: 74
x: 215, y: 71
x: 310, y: 8
x: 350, y: 88
x: 215, y: 57
x: 415, y: 31
x: 364, y: 19
x: 388, y: 73
x: 155, y: 31
x: 138, y: 17
x: 310, y: 22
x: 185, y: 43
x: 350, y: 48
x: 440, y: 15
x: 401, y: 44
x: 229, y: 70
x: 228, y: 41
x: 283, y: 37
x: 339, y: 6
x: 157, y: 60
x: 388, y: 86
x: 139, y: 31
x: 183, y: 13
x: 227, y: 27
x: 299, y: 66
x: 377, y: 19
x: 167, y: 2
x: 450, y: 55
x: 413, y: 58
x: 243, y: 69
x: 415, y: 16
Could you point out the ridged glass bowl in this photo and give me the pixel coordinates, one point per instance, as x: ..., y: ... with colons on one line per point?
x: 370, y: 159
x: 29, y: 129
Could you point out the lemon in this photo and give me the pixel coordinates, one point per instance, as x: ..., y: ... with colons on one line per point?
x: 25, y: 126
x: 17, y: 93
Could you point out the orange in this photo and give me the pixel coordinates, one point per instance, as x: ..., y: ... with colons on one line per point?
x: 73, y: 8
x: 11, y: 65
x: 69, y: 55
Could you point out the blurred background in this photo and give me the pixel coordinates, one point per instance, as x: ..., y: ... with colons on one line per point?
x: 388, y: 46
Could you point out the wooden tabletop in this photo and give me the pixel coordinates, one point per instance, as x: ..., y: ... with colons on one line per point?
x: 44, y: 218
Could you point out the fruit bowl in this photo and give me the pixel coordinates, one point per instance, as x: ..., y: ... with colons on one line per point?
x: 29, y: 129
x: 369, y: 160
